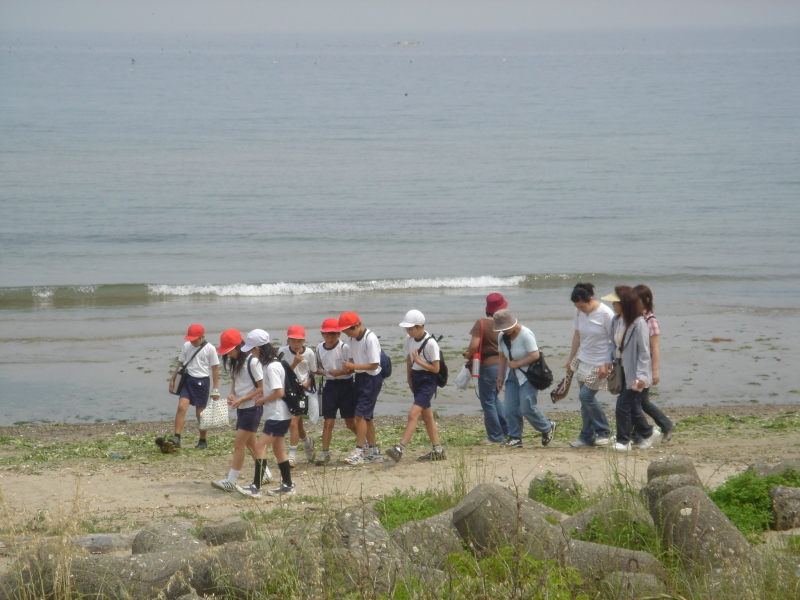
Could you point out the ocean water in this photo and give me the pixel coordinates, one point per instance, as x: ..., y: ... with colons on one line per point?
x: 149, y: 182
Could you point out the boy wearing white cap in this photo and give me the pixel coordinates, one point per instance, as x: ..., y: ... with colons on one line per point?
x: 422, y: 365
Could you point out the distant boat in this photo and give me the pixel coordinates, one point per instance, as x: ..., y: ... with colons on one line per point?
x: 407, y: 44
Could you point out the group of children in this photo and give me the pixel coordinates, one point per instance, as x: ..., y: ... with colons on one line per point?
x: 353, y: 377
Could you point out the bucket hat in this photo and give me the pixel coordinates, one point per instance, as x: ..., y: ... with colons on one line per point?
x: 503, y: 320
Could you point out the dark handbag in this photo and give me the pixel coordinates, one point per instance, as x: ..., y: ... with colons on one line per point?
x: 183, y: 373
x: 616, y: 376
x: 538, y: 373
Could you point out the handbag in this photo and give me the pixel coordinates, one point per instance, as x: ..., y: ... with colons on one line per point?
x: 215, y: 415
x: 538, y: 373
x: 184, y: 373
x: 562, y: 389
x: 616, y: 376
x: 463, y: 379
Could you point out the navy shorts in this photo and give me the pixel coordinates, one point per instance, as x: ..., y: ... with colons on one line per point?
x: 424, y: 383
x: 339, y: 395
x: 367, y: 389
x: 248, y: 419
x: 277, y: 428
x: 196, y: 389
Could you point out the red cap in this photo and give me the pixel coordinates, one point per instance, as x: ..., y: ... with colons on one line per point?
x: 296, y: 332
x: 495, y: 302
x: 330, y: 326
x: 195, y: 331
x: 229, y: 339
x: 347, y: 320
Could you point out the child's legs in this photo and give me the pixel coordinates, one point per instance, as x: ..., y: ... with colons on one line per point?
x: 367, y: 389
x: 327, y: 433
x: 424, y: 384
x: 351, y: 424
x: 296, y: 430
x: 411, y: 426
x: 195, y: 392
x: 180, y: 416
x: 276, y: 432
x: 430, y: 425
x: 197, y: 411
x: 244, y: 439
x: 279, y: 448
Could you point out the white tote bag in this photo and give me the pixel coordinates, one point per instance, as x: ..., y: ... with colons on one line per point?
x: 215, y: 415
x: 463, y: 379
x: 313, y: 407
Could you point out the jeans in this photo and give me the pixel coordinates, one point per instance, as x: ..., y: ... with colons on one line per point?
x: 494, y: 418
x: 630, y: 417
x: 595, y: 423
x: 521, y: 401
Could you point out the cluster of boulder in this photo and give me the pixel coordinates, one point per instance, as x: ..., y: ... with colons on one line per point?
x: 352, y: 551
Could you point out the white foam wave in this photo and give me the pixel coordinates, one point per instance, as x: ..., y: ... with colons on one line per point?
x: 332, y: 287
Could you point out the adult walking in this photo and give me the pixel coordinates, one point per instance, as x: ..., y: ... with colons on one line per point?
x: 591, y: 347
x: 631, y: 336
x: 484, y: 341
x: 518, y: 350
x: 663, y: 421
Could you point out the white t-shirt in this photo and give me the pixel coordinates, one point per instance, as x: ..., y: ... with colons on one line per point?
x: 202, y: 363
x: 366, y: 350
x: 332, y: 359
x: 521, y: 346
x: 304, y: 367
x: 242, y: 384
x: 273, y: 380
x: 429, y: 355
x: 595, y: 332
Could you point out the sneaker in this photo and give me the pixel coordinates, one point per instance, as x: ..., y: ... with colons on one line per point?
x: 488, y: 442
x: 579, y: 443
x: 602, y: 441
x: 548, y: 437
x: 250, y: 491
x: 355, y: 459
x: 668, y: 434
x: 321, y: 462
x: 292, y: 462
x: 284, y: 490
x: 308, y: 444
x: 202, y: 444
x: 226, y: 485
x: 513, y: 442
x: 372, y: 457
x: 622, y: 447
x: 266, y: 476
x: 395, y: 453
x: 176, y: 441
x: 433, y: 455
x: 647, y: 442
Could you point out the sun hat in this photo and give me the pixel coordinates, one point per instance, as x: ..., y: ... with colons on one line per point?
x: 503, y: 320
x: 495, y: 302
x: 330, y: 326
x: 612, y: 297
x: 257, y: 337
x: 412, y: 318
x: 229, y: 339
x: 347, y: 320
x: 296, y: 332
x: 195, y: 331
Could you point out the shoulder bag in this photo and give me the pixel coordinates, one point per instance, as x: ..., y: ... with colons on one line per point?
x: 184, y: 373
x: 538, y: 373
x: 616, y: 376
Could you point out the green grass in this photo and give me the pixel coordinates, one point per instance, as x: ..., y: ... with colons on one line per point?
x: 400, y: 506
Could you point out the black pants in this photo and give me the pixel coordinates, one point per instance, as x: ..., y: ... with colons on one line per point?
x: 630, y: 417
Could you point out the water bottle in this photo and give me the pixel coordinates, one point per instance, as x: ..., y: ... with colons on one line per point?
x: 476, y: 365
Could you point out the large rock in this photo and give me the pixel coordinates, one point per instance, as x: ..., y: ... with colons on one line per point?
x: 429, y: 541
x: 559, y: 484
x: 105, y: 543
x: 596, y: 561
x: 230, y: 530
x: 692, y: 524
x: 628, y: 586
x: 158, y: 537
x: 612, y: 512
x: 661, y: 486
x: 785, y: 507
x: 764, y: 469
x: 490, y: 517
x: 671, y: 465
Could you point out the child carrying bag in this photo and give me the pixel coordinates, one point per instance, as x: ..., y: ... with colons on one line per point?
x: 184, y: 373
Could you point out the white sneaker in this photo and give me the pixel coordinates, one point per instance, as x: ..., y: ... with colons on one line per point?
x: 372, y: 457
x: 224, y: 484
x: 250, y: 491
x: 579, y: 444
x: 622, y: 447
x: 602, y: 442
x: 266, y: 476
x: 292, y: 462
x: 647, y: 442
x: 308, y: 445
x: 357, y: 458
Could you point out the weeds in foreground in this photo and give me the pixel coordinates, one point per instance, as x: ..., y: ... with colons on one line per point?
x: 402, y: 506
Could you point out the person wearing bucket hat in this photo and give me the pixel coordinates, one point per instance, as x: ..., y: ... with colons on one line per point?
x: 518, y: 350
x: 199, y: 361
x: 365, y: 361
x: 247, y: 383
x: 304, y: 363
x: 338, y: 393
x: 483, y: 343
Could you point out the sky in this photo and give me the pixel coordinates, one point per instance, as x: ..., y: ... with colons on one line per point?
x: 407, y: 16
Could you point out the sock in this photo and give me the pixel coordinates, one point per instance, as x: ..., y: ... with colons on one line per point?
x: 401, y: 446
x: 292, y: 451
x: 437, y: 448
x: 286, y: 472
x: 261, y: 464
x: 326, y: 452
x: 375, y: 449
x: 233, y: 475
x: 306, y: 442
x: 177, y: 436
x: 359, y: 450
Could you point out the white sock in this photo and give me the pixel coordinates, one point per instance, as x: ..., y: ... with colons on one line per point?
x: 293, y: 451
x: 233, y: 475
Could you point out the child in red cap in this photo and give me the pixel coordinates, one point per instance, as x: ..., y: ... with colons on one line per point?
x: 201, y: 364
x: 304, y: 364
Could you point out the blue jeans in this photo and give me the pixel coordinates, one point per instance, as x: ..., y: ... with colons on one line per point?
x: 630, y: 418
x: 494, y: 417
x: 521, y: 401
x: 595, y: 423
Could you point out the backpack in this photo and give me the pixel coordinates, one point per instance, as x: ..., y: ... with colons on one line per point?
x: 385, y: 361
x: 441, y: 376
x: 294, y: 394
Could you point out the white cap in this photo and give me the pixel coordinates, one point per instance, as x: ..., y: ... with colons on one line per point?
x: 257, y: 337
x: 413, y: 317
